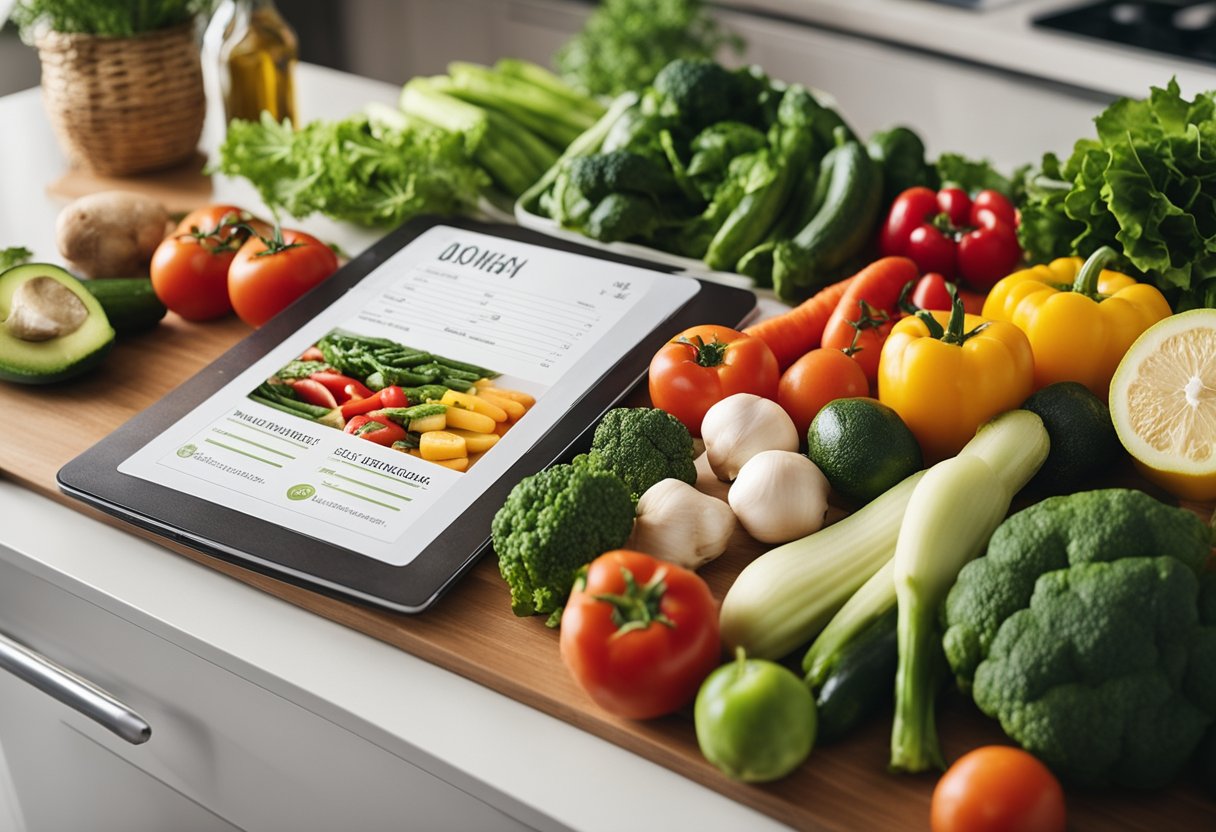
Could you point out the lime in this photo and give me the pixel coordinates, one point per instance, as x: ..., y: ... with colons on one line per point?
x: 862, y: 447
x: 1163, y: 403
x: 1083, y: 440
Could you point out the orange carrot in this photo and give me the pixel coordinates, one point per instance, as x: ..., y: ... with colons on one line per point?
x: 796, y: 332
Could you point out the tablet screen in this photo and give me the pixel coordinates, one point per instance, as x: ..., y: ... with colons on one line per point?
x: 454, y: 307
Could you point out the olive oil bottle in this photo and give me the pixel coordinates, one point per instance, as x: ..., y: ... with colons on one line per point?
x: 256, y: 56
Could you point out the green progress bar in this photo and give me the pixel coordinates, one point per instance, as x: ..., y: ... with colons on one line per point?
x: 242, y: 453
x: 331, y: 472
x: 360, y: 496
x: 240, y: 438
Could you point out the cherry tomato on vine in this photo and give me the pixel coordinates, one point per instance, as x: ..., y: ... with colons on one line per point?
x: 955, y: 204
x: 222, y: 221
x: 998, y: 788
x: 705, y: 364
x: 997, y: 203
x: 817, y: 378
x: 268, y: 273
x: 639, y: 634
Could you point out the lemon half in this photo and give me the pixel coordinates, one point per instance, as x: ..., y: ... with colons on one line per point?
x: 1163, y: 403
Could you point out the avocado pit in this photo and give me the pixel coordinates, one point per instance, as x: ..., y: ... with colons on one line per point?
x: 42, y: 309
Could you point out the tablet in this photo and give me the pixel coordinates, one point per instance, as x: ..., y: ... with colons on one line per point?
x: 248, y: 460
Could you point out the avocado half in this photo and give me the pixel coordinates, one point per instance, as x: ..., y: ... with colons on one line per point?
x: 56, y: 359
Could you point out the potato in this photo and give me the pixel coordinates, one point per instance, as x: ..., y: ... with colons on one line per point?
x: 111, y: 234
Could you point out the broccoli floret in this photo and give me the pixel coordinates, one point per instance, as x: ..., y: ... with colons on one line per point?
x: 553, y: 523
x: 614, y: 196
x: 642, y: 445
x: 717, y: 144
x: 700, y: 92
x: 605, y: 173
x: 1081, y: 631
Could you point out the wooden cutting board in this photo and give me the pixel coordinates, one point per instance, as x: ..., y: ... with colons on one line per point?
x: 473, y: 632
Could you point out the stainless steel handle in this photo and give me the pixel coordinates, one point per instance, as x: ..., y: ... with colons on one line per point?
x: 73, y: 691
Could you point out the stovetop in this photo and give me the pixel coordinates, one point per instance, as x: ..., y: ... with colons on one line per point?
x: 1181, y: 29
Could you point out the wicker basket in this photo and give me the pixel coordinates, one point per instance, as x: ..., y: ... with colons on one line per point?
x: 124, y: 105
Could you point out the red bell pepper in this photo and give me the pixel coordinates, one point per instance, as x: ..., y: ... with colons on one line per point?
x: 949, y: 233
x: 381, y: 432
x: 343, y: 387
x: 391, y: 396
x: 314, y: 392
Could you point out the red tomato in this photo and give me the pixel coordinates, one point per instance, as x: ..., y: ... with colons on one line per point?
x: 267, y: 275
x: 909, y: 211
x: 705, y: 364
x: 640, y: 635
x: 997, y: 203
x: 988, y: 253
x: 998, y: 789
x: 933, y: 250
x: 190, y: 276
x: 816, y: 379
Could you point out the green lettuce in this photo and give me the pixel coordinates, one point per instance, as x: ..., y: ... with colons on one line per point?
x: 353, y: 170
x: 1145, y: 185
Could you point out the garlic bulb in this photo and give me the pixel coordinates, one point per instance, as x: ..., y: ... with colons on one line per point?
x: 679, y: 524
x: 780, y: 496
x: 741, y: 426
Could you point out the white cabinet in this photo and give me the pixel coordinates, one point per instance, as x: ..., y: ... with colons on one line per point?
x: 955, y: 106
x: 224, y: 753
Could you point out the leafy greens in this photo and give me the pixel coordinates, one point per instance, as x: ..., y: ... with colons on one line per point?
x: 14, y: 256
x: 353, y: 169
x: 1146, y: 185
x: 626, y: 42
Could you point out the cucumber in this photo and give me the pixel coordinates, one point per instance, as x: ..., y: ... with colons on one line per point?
x: 861, y: 681
x: 129, y: 302
x: 845, y: 222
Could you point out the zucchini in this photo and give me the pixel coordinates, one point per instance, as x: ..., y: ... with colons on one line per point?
x: 861, y: 681
x: 852, y: 197
x: 129, y: 302
x: 785, y: 597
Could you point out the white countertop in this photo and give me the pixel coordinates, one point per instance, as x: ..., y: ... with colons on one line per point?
x: 537, y: 768
x: 1003, y: 37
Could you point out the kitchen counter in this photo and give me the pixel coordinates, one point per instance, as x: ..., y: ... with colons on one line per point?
x: 524, y: 766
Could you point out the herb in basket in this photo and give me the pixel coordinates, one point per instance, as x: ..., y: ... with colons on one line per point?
x: 105, y: 17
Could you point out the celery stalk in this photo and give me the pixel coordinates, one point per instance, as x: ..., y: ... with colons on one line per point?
x: 953, y: 511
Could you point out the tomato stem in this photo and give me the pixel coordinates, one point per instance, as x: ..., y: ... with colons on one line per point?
x: 275, y: 243
x: 870, y: 318
x: 229, y: 243
x: 707, y: 355
x: 638, y: 606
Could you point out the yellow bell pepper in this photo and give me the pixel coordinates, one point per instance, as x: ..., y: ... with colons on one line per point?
x: 946, y: 374
x: 1080, y: 318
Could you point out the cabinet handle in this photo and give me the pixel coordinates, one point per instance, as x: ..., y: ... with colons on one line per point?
x: 73, y: 691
